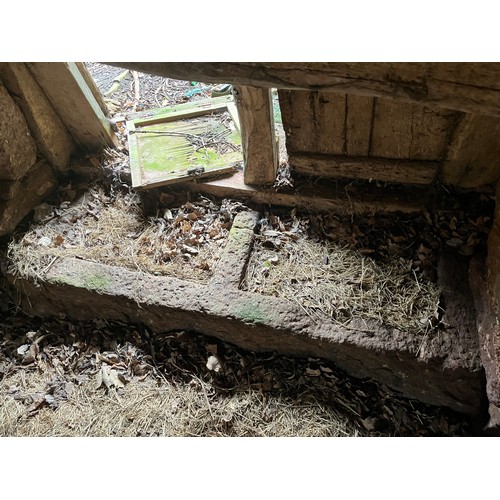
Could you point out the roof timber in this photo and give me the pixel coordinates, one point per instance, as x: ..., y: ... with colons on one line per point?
x: 469, y: 87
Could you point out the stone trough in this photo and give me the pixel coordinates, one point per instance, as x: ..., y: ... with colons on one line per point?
x: 447, y: 372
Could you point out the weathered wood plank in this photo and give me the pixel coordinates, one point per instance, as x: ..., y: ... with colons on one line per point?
x: 359, y: 121
x: 473, y: 157
x: 404, y: 130
x: 256, y: 120
x: 92, y: 87
x: 315, y: 196
x: 313, y: 121
x: 381, y: 169
x: 52, y: 138
x: 171, y: 115
x: 75, y: 104
x: 471, y: 87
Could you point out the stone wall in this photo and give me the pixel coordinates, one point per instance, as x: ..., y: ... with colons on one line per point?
x: 34, y: 145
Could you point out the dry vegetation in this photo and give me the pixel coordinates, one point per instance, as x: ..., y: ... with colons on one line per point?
x: 327, y: 279
x: 63, y: 378
x: 98, y: 378
x: 177, y: 410
x: 184, y: 242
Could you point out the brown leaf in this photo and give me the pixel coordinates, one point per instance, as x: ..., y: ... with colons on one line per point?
x: 58, y: 240
x: 109, y: 378
x: 39, y: 402
x: 313, y: 373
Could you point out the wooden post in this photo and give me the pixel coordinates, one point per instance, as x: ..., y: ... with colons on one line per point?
x: 258, y: 140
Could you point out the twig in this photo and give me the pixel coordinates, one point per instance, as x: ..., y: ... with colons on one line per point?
x: 116, y: 83
x: 52, y: 262
x: 137, y: 93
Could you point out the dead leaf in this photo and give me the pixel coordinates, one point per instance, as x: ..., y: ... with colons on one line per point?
x: 28, y: 353
x: 369, y: 423
x: 58, y: 240
x: 214, y: 364
x: 109, y: 377
x: 313, y: 373
x: 38, y: 403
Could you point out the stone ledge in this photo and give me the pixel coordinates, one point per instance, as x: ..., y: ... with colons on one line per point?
x: 18, y: 198
x: 82, y: 290
x: 489, y: 337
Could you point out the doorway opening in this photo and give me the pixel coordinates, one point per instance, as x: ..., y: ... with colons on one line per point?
x: 133, y: 98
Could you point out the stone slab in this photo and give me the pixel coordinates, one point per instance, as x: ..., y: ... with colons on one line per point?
x: 17, y: 147
x: 489, y: 334
x: 364, y: 349
x: 24, y: 195
x: 53, y: 139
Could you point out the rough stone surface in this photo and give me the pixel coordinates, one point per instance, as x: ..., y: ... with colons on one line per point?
x: 53, y: 139
x: 485, y: 284
x: 17, y: 147
x: 236, y: 250
x: 493, y: 259
x: 23, y: 195
x: 364, y: 349
x: 456, y: 341
x: 488, y: 329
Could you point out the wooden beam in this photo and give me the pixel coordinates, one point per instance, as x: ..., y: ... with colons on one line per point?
x: 313, y: 121
x: 471, y: 87
x: 380, y: 169
x: 473, y: 157
x: 488, y: 328
x: 256, y: 120
x: 92, y: 87
x: 404, y: 130
x: 17, y: 147
x: 359, y: 121
x: 75, y: 103
x: 484, y: 278
x: 317, y: 196
x: 26, y: 194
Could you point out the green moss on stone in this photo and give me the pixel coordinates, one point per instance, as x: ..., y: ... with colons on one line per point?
x: 96, y: 282
x: 66, y: 280
x: 237, y: 234
x: 251, y: 313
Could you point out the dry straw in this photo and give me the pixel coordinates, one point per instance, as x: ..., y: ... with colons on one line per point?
x: 163, y: 408
x: 340, y: 283
x: 116, y: 233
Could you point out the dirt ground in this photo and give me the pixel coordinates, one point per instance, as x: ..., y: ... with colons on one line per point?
x: 97, y: 378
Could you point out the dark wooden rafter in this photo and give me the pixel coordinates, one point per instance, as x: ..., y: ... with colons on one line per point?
x: 318, y: 196
x: 469, y: 87
x: 473, y: 157
x: 380, y: 169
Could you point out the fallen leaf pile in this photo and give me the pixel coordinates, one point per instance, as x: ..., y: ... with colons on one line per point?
x: 463, y: 226
x: 380, y: 267
x: 183, y: 241
x: 111, y: 356
x: 121, y: 95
